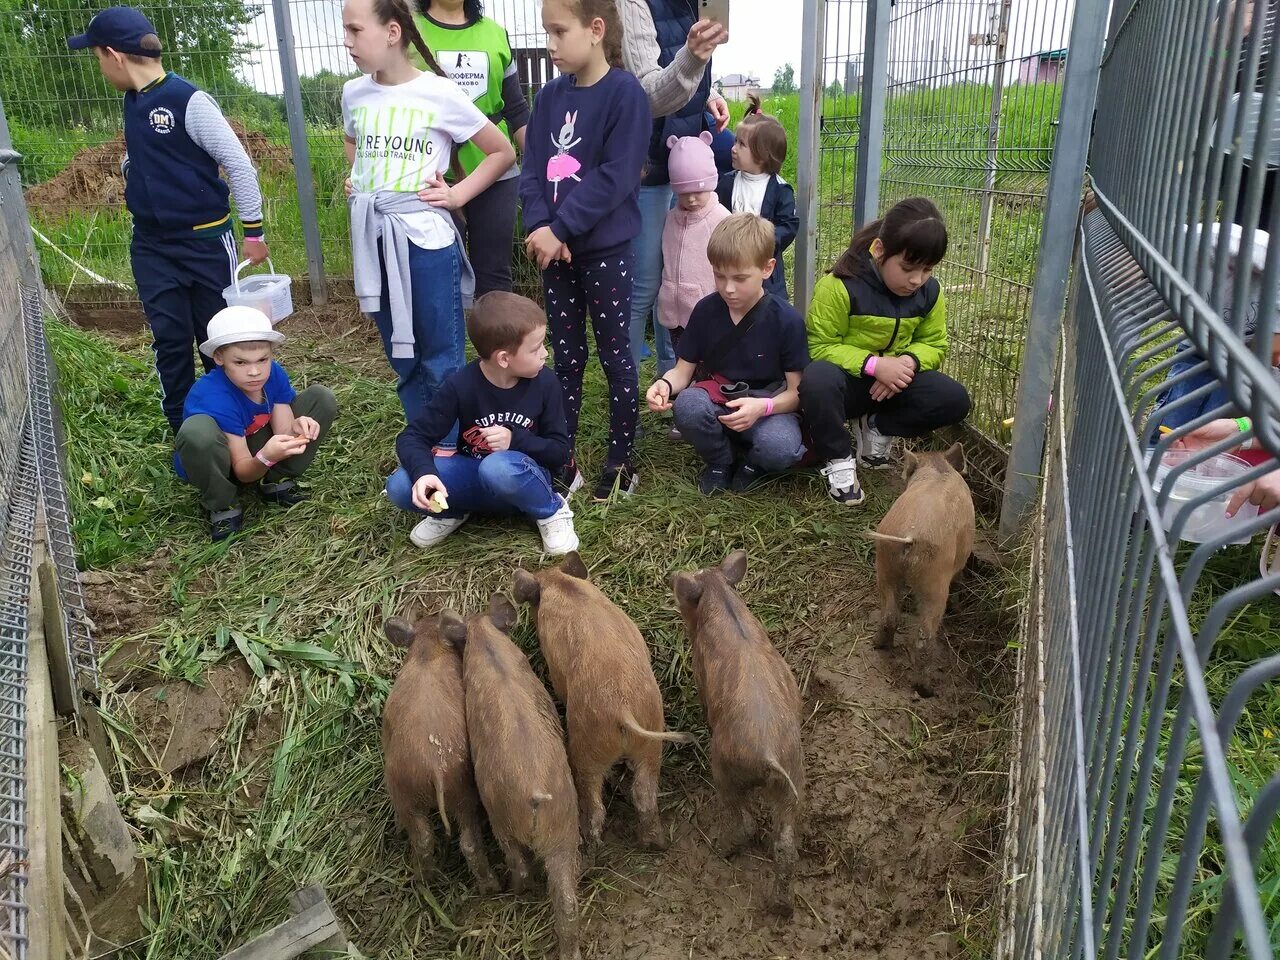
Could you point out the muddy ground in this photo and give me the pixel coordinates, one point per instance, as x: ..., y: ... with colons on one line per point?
x: 903, y: 797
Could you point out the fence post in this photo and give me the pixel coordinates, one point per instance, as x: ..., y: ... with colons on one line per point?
x: 812, y: 77
x: 301, y: 152
x: 875, y: 86
x: 1057, y: 243
x: 993, y: 143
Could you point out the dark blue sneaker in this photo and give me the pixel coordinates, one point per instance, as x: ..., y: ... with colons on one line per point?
x: 746, y: 477
x: 223, y: 523
x: 715, y: 479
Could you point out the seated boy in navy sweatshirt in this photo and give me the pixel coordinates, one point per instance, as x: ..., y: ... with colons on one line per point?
x: 512, y: 438
x: 244, y: 424
x: 183, y: 252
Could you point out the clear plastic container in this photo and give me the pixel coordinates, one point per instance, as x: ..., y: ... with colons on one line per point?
x: 1209, y: 520
x: 268, y: 292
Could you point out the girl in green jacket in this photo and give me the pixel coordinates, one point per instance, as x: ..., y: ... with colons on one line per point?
x: 877, y: 334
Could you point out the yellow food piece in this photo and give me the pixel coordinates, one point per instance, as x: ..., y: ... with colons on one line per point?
x: 438, y: 503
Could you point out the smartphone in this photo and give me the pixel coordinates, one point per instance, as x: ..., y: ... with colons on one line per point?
x: 717, y: 10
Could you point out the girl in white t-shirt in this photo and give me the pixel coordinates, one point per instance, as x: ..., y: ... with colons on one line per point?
x: 401, y: 125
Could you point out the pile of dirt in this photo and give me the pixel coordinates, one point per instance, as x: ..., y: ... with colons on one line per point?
x: 93, y: 180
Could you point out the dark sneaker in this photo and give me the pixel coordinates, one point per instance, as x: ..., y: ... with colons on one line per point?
x: 622, y: 478
x: 714, y: 479
x: 286, y: 493
x: 223, y: 523
x: 675, y: 436
x: 569, y: 480
x: 842, y: 481
x: 746, y: 477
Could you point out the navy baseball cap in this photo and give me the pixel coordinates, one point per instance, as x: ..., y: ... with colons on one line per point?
x: 120, y: 28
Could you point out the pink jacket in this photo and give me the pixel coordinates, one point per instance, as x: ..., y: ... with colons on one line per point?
x: 686, y: 273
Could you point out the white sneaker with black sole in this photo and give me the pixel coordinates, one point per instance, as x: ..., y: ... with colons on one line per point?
x: 875, y: 450
x: 842, y: 481
x: 431, y: 530
x: 558, y: 535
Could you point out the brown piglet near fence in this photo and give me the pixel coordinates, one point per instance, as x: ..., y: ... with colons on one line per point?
x: 522, y: 770
x: 600, y: 669
x: 753, y: 709
x: 426, y: 755
x: 921, y: 544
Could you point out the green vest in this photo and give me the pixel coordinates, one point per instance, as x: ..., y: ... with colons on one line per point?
x: 476, y: 58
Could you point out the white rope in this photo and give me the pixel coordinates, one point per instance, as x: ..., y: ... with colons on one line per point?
x: 76, y: 263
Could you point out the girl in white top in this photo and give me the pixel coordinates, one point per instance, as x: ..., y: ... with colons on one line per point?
x: 401, y: 125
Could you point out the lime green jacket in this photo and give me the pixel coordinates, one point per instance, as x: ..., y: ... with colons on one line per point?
x: 850, y: 320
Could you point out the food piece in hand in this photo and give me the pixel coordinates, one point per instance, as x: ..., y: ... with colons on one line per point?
x: 438, y: 503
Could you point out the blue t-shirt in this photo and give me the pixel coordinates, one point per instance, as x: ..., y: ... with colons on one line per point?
x: 231, y: 408
x: 775, y: 345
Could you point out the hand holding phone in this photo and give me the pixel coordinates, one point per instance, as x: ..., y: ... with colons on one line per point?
x: 717, y: 10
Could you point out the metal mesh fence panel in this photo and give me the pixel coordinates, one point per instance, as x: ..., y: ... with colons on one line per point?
x: 1145, y: 791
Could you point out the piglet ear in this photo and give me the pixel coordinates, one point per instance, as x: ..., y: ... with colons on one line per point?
x: 525, y: 586
x: 672, y: 141
x: 453, y: 629
x: 706, y: 137
x: 399, y: 631
x: 574, y: 566
x: 503, y: 612
x: 687, y: 588
x: 734, y: 567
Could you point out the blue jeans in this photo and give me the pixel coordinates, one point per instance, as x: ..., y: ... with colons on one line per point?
x: 435, y: 277
x: 501, y: 482
x: 646, y: 258
x: 772, y: 443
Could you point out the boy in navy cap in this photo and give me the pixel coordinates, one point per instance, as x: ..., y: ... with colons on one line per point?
x: 183, y: 253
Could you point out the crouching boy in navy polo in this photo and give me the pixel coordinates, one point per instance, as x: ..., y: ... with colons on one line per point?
x: 735, y: 386
x: 244, y: 424
x: 183, y: 253
x: 512, y: 436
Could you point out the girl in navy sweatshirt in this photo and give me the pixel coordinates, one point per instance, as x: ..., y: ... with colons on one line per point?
x: 584, y: 154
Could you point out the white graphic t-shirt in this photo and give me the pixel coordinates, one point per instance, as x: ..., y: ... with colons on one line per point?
x: 404, y: 136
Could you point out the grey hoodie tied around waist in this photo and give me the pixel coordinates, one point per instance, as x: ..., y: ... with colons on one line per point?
x: 375, y: 215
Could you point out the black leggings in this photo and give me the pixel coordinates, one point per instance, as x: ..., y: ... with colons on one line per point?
x: 604, y: 284
x: 490, y: 228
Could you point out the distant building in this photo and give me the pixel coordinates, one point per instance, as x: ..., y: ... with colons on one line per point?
x: 1043, y: 67
x: 738, y: 86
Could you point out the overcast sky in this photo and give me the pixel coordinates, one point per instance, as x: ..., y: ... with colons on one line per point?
x: 930, y: 37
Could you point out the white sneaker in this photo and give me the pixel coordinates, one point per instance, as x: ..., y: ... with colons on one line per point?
x: 874, y: 448
x: 842, y: 481
x: 558, y: 535
x: 431, y: 530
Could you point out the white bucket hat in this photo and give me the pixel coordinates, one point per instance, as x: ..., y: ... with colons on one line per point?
x: 238, y: 325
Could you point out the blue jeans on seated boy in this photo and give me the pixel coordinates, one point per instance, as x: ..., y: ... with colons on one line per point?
x: 771, y: 444
x: 438, y: 328
x: 501, y: 482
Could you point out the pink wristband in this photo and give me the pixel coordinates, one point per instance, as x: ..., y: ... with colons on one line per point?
x: 870, y: 366
x: 263, y: 460
x: 768, y: 406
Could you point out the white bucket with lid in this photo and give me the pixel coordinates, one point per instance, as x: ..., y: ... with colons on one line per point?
x: 1209, y: 520
x: 268, y: 292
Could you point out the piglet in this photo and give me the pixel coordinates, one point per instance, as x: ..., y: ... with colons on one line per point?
x: 753, y: 710
x: 921, y: 544
x: 426, y: 756
x: 599, y: 666
x: 522, y: 771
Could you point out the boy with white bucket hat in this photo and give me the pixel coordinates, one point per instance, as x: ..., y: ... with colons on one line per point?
x: 243, y: 424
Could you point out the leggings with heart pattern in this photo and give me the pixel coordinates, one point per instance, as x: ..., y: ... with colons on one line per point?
x: 602, y: 286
